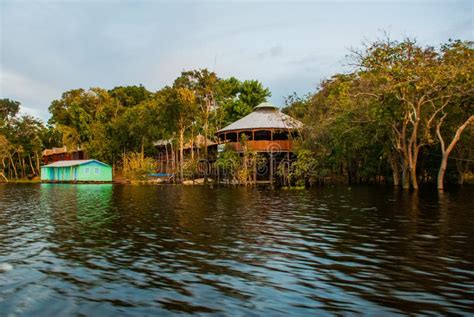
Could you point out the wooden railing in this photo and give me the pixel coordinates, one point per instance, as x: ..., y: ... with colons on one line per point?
x: 265, y: 146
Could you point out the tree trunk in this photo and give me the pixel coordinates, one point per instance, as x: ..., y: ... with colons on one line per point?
x: 461, y: 170
x: 442, y: 170
x: 413, y: 157
x: 21, y: 162
x: 172, y: 157
x: 181, y: 153
x: 405, y: 176
x: 461, y: 179
x: 206, y: 128
x: 14, y: 167
x: 395, y: 169
x: 167, y: 158
x: 192, y: 144
x: 447, y: 151
x: 31, y: 165
x: 414, y: 179
x: 38, y: 167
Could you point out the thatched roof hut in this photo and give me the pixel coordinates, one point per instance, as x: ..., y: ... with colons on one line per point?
x: 266, y: 129
x: 264, y: 116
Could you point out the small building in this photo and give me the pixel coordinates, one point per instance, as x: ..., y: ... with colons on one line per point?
x: 62, y: 154
x: 76, y: 171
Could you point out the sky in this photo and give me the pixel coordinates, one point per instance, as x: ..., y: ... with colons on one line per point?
x: 49, y: 47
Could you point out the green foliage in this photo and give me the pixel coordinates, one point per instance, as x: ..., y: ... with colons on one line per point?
x: 107, y: 123
x: 22, y: 139
x: 130, y: 96
x: 229, y: 162
x: 8, y: 109
x: 403, y: 103
x: 240, y: 167
x: 136, y: 167
x: 382, y: 118
x: 296, y: 106
x: 304, y: 169
x: 190, y: 168
x: 237, y: 99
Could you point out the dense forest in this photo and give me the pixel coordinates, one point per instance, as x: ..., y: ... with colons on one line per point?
x: 115, y: 125
x: 22, y: 140
x: 403, y: 115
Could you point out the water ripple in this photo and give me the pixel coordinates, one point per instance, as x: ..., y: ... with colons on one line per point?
x: 128, y: 250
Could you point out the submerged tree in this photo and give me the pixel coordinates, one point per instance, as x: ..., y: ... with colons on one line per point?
x: 456, y: 108
x: 402, y: 101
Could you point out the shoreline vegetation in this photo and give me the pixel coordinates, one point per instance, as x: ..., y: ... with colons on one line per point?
x: 403, y: 115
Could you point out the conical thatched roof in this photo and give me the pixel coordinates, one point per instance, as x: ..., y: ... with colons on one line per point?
x: 264, y: 116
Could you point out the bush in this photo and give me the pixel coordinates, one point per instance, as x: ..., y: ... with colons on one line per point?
x: 136, y: 167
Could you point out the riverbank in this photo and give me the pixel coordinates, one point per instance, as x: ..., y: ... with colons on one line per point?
x: 23, y: 181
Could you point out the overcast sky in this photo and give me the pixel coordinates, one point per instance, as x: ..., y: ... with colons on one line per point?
x: 49, y: 47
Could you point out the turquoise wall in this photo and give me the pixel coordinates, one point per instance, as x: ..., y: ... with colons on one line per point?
x: 89, y: 172
x: 94, y: 171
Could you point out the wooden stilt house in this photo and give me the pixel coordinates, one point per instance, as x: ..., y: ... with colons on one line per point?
x: 267, y: 131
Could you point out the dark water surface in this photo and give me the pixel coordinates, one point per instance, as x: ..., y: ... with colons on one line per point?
x: 109, y: 250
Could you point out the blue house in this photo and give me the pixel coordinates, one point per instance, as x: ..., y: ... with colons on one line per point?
x: 77, y: 171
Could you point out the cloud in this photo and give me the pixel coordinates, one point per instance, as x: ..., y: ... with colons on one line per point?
x: 37, y: 95
x: 272, y: 52
x: 50, y: 47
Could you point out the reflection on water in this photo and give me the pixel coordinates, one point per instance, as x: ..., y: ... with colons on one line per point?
x: 91, y: 203
x: 136, y: 250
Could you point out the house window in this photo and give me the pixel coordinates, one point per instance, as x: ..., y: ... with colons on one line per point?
x: 263, y: 135
x: 86, y: 170
x: 97, y: 171
x: 280, y: 135
x: 231, y: 137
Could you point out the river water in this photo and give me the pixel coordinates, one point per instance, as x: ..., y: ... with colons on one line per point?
x: 109, y: 250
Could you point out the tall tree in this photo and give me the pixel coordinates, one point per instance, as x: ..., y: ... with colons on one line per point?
x: 203, y: 84
x: 8, y: 109
x: 179, y: 110
x: 456, y: 105
x: 236, y: 99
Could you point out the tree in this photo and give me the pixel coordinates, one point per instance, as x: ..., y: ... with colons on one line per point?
x: 106, y: 123
x: 130, y: 96
x: 8, y: 109
x: 413, y: 84
x: 296, y: 106
x: 21, y: 141
x: 237, y: 99
x: 5, y: 150
x: 456, y: 105
x: 402, y: 101
x: 28, y: 136
x: 179, y: 109
x: 203, y: 84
